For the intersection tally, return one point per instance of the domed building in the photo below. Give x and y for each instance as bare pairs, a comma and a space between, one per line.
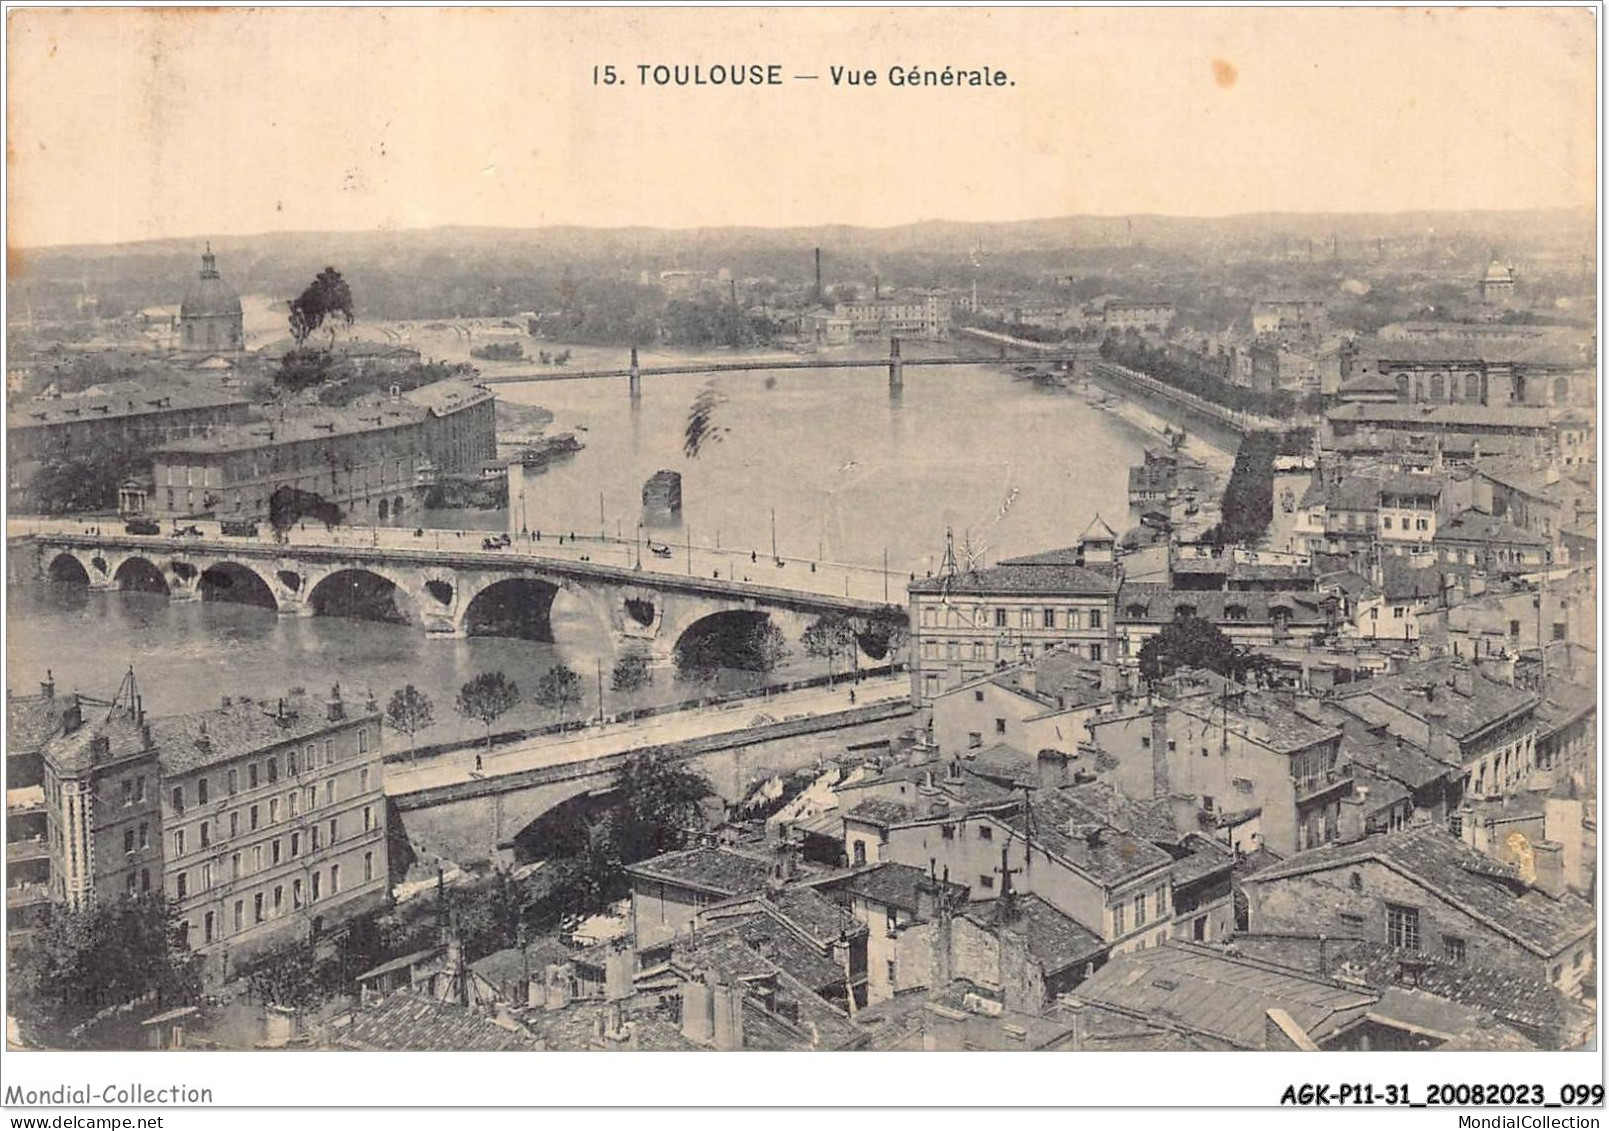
210, 319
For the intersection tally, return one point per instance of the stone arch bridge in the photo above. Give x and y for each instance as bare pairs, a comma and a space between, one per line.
446, 593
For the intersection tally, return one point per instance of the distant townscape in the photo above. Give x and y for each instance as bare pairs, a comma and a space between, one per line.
1083, 635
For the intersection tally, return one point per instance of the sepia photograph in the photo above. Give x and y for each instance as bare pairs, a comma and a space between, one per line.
803, 530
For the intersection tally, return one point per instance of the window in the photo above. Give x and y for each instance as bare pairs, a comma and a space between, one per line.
986, 883
1095, 618
1095, 652
985, 832
368, 866
234, 786
1558, 973
145, 879
1118, 925
363, 741
999, 622
315, 838
139, 790
257, 908
296, 845
178, 843
296, 893
181, 885
1398, 612
368, 817
329, 792
1207, 804
128, 784
1139, 910
1513, 628
128, 842
206, 833
1161, 904
1356, 881
312, 796
206, 927
974, 739
860, 853
333, 836
273, 810
274, 850
1453, 947
1385, 522
1559, 629
290, 763
1145, 742
256, 858
131, 882
234, 860
1421, 524
254, 821
1025, 619
273, 770
178, 799
293, 803
279, 899
206, 877
234, 825
251, 776
1402, 926
363, 774
240, 915
1049, 618
201, 791
335, 878
1000, 726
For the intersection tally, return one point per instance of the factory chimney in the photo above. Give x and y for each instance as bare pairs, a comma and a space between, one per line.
819, 295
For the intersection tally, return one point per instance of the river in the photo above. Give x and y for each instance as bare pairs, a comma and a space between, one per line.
848, 470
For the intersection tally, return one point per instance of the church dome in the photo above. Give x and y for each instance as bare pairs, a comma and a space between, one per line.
210, 296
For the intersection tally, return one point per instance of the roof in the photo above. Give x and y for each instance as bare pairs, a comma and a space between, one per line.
1077, 834
1054, 579
1423, 688
1512, 417
448, 396
895, 885
209, 296
1267, 718
299, 429
876, 811
1405, 582
1054, 940
1562, 703
1467, 351
1445, 866
168, 399
1477, 526
1207, 858
1221, 995
1151, 819
1353, 493
715, 870
32, 720
770, 942
208, 738
406, 1021
123, 733
1155, 603
406, 962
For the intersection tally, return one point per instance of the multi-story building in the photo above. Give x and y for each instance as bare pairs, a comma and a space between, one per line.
1249, 765
367, 459
260, 822
273, 821
1249, 618
1482, 728
967, 624
919, 316
1296, 316
1476, 543
1407, 512
1422, 891
1123, 314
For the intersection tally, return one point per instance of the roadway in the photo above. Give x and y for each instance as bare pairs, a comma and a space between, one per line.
799, 575
460, 765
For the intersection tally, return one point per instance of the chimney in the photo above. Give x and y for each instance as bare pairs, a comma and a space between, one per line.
335, 710
73, 717
819, 293
1052, 769
47, 686
1159, 751
728, 1002
955, 769
100, 746
1077, 1013
697, 995
1441, 744
1549, 859
1463, 680
1497, 666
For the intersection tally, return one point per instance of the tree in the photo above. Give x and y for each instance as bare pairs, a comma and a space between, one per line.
409, 712
79, 964
828, 637
289, 505
1190, 642
658, 804
486, 698
559, 689
326, 298
631, 673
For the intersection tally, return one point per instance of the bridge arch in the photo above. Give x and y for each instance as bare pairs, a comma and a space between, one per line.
362, 593
520, 607
741, 639
140, 575
237, 583
65, 567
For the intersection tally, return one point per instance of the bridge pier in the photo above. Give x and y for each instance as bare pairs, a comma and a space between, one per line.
896, 366
634, 379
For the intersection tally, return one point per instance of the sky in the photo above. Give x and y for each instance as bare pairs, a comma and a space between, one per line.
127, 125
